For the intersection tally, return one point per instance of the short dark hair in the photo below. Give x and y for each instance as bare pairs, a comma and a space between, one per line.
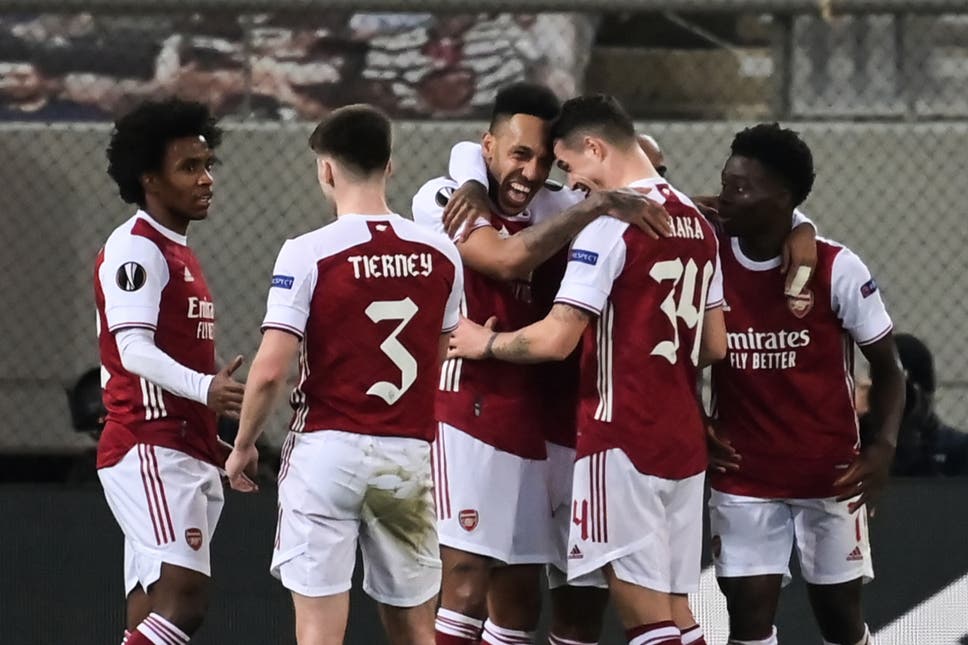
358, 136
598, 113
524, 98
140, 138
782, 152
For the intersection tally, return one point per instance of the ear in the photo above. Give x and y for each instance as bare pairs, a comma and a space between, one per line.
389, 170
324, 172
487, 145
596, 147
148, 182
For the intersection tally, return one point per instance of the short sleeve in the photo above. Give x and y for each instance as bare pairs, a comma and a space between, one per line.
595, 259
799, 217
467, 164
133, 274
291, 289
452, 313
856, 300
714, 295
428, 205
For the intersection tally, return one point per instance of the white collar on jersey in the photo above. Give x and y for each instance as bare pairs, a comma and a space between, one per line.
651, 181
167, 232
752, 265
380, 217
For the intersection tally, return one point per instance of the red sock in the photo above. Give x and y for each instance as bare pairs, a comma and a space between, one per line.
157, 630
454, 628
662, 633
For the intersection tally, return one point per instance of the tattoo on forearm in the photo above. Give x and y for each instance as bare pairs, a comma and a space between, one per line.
544, 239
515, 348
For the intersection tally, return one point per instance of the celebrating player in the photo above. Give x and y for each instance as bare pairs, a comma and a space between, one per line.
785, 407
159, 454
367, 304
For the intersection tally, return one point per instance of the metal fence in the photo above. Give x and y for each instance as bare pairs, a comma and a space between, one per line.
879, 88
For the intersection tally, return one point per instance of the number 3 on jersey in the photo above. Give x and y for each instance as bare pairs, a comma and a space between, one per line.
686, 307
404, 311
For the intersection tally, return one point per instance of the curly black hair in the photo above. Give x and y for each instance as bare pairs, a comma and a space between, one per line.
139, 140
781, 151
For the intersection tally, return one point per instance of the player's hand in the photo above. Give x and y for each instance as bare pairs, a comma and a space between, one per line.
225, 393
800, 255
241, 468
867, 477
708, 205
722, 456
469, 340
631, 205
469, 202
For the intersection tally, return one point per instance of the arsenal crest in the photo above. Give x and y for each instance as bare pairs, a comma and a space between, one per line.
194, 538
801, 305
468, 519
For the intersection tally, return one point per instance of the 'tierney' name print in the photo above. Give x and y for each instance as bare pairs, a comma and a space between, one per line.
395, 265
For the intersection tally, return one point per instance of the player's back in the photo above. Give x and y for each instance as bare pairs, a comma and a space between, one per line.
639, 363
377, 289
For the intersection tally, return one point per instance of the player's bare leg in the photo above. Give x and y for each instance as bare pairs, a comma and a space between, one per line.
464, 582
409, 625
514, 596
838, 611
752, 602
181, 596
138, 607
646, 614
322, 620
577, 613
463, 596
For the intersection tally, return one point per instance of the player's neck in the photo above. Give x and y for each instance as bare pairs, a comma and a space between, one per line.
167, 218
362, 199
766, 245
633, 167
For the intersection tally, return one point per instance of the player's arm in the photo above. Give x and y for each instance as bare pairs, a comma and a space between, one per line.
553, 338
515, 257
133, 275
287, 311
857, 302
799, 254
712, 342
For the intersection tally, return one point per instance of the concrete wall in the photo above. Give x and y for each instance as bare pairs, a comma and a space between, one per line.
894, 193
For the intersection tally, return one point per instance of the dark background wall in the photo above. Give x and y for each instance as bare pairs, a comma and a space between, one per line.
60, 570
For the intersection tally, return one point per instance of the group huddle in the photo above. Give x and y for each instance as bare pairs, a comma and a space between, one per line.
505, 386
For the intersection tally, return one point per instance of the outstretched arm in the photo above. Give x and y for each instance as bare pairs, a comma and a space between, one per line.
553, 338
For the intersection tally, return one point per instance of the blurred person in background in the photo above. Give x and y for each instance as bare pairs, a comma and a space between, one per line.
926, 445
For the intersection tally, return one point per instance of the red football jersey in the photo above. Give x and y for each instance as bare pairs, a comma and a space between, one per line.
784, 395
369, 296
146, 276
496, 402
558, 381
639, 358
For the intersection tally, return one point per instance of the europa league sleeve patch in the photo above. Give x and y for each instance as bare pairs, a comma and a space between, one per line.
868, 288
131, 276
443, 196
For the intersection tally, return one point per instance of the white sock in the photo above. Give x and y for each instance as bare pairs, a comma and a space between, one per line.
494, 635
558, 640
691, 635
865, 639
770, 640
160, 631
457, 624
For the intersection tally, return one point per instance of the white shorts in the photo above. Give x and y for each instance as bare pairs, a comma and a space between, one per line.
491, 502
337, 488
167, 504
647, 528
754, 536
561, 471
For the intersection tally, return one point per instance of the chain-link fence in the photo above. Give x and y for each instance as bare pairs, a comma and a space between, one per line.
881, 95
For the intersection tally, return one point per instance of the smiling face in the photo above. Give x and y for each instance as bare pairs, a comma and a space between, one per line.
183, 185
583, 162
751, 198
519, 159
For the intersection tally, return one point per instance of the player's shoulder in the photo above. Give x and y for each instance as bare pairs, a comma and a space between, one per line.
413, 232
553, 198
831, 254
601, 235
339, 235
132, 240
434, 194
